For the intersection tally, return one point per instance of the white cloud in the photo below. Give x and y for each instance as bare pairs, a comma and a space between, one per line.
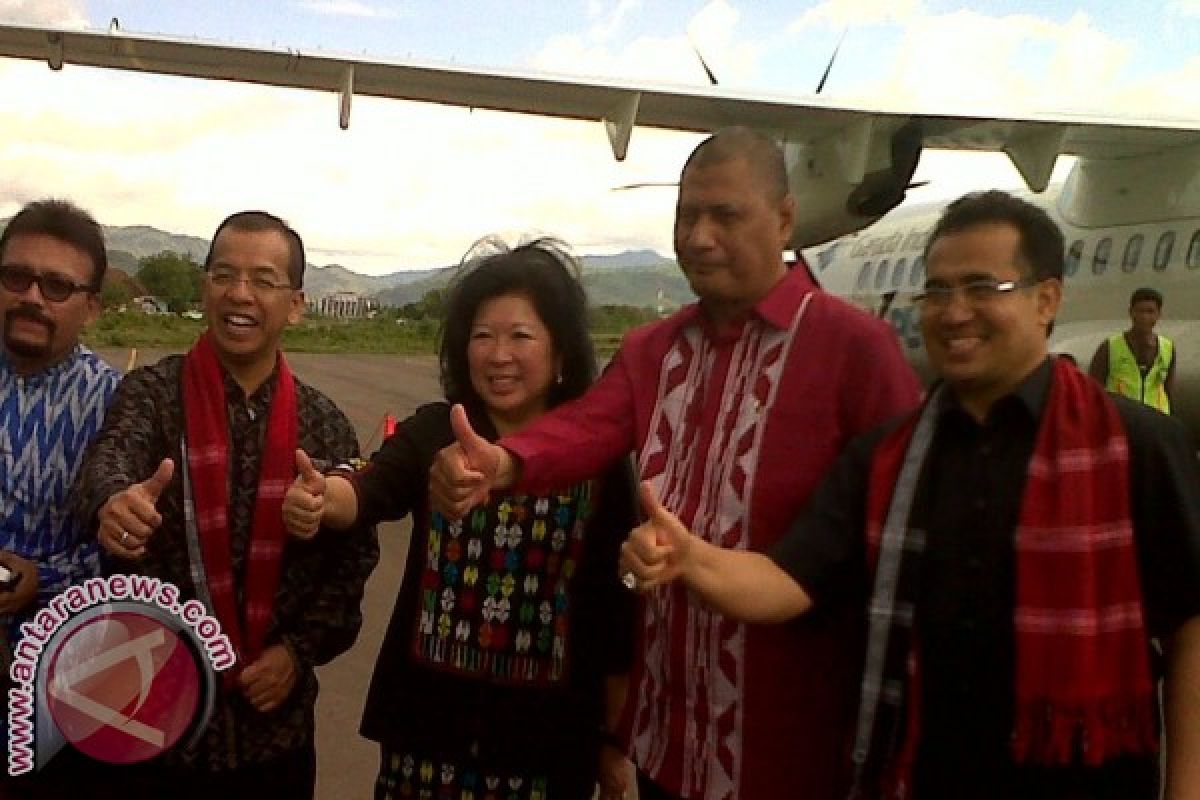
348, 8
969, 62
661, 59
605, 23
409, 185
58, 13
1184, 8
857, 13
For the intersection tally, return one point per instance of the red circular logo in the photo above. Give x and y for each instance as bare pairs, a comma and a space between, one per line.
123, 687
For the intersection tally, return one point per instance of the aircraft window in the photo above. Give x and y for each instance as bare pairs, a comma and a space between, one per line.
1193, 254
1100, 259
1133, 253
1162, 250
881, 274
864, 276
1074, 253
898, 273
918, 272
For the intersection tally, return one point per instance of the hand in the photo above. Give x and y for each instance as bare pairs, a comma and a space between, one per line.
656, 551
129, 517
268, 681
304, 503
615, 774
25, 592
463, 474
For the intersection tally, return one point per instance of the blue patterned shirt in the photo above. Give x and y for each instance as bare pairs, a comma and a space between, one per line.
47, 421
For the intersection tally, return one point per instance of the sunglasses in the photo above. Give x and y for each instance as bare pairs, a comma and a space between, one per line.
54, 287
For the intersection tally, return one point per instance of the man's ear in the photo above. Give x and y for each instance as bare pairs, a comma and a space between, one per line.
787, 217
95, 306
296, 312
1049, 298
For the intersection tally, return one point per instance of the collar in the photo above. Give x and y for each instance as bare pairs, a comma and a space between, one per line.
62, 365
259, 400
777, 308
1030, 394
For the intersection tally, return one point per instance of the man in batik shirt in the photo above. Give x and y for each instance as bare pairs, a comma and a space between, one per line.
186, 483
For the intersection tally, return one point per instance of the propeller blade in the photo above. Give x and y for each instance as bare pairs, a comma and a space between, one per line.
644, 185
712, 79
832, 58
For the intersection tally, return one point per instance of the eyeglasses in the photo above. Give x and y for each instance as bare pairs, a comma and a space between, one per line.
54, 287
977, 293
226, 279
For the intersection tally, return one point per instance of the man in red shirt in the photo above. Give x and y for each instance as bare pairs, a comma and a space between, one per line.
734, 406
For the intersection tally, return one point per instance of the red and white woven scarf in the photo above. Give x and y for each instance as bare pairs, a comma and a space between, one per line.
208, 471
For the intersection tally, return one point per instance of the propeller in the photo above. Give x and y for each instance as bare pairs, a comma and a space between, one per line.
645, 185
832, 58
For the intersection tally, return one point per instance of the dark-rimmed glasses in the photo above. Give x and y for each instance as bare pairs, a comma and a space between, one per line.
977, 293
226, 279
55, 287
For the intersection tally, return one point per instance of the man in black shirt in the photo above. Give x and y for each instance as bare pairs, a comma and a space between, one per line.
1022, 544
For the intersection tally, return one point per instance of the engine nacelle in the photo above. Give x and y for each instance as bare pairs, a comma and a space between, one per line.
844, 182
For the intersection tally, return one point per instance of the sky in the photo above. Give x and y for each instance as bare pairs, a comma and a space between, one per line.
413, 185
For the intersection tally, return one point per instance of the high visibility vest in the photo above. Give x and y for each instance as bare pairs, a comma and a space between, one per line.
1125, 376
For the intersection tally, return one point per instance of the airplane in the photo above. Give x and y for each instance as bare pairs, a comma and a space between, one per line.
1130, 208
881, 268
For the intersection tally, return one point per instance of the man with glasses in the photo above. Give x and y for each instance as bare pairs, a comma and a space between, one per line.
186, 483
53, 394
1018, 544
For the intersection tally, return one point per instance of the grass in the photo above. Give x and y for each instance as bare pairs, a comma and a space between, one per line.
315, 335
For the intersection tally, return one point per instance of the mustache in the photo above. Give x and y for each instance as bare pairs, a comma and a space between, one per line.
29, 312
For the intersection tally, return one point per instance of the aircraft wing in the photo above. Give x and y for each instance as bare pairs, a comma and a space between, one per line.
622, 104
848, 165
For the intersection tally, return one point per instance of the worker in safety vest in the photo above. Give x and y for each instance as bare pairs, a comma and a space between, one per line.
1139, 363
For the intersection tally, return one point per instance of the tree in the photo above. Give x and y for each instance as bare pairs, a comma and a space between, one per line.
171, 277
114, 294
433, 304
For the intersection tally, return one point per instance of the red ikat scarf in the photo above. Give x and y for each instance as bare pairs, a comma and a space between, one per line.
1083, 684
208, 470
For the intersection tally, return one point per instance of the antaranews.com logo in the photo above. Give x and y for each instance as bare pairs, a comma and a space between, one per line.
117, 667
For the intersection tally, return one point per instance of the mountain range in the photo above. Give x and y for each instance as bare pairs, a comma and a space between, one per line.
632, 277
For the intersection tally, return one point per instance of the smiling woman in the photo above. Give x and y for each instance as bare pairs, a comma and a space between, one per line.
504, 659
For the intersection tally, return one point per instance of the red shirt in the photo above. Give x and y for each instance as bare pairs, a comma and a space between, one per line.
735, 428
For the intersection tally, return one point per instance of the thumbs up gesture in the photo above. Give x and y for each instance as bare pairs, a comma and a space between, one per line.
463, 474
304, 503
658, 550
129, 517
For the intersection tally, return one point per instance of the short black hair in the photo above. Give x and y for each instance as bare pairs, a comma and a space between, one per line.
546, 271
1041, 242
62, 220
257, 222
1146, 293
760, 151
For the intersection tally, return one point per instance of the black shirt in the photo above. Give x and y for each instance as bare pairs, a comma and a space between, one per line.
968, 500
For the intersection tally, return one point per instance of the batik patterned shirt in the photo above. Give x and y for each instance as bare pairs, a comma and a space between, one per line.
316, 614
47, 421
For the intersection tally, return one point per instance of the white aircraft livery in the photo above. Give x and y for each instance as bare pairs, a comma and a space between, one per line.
1130, 208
